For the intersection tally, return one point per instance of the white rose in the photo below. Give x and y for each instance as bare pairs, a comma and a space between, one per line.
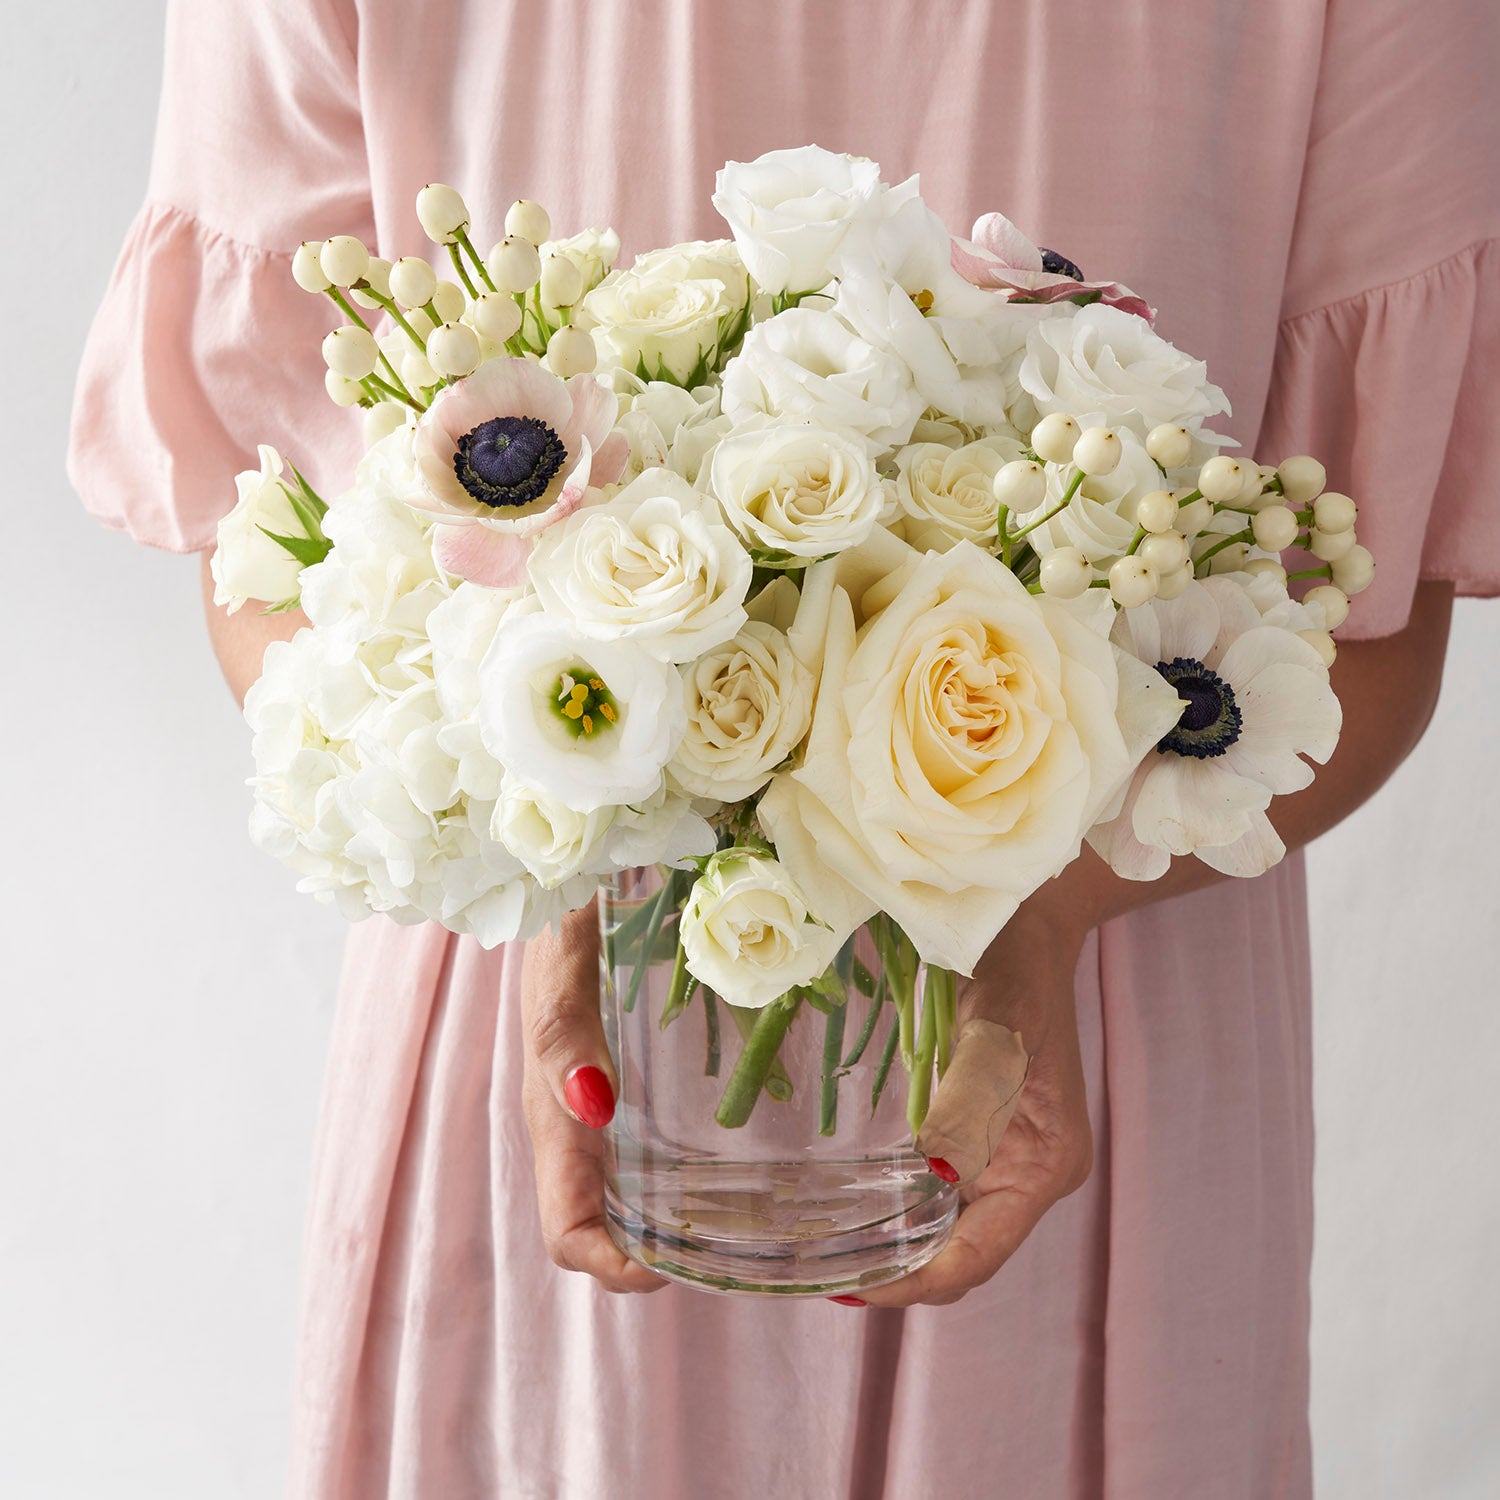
965, 736
672, 313
947, 494
593, 251
650, 565
795, 491
1100, 519
246, 563
807, 364
558, 844
749, 703
792, 211
588, 722
1111, 362
748, 933
666, 426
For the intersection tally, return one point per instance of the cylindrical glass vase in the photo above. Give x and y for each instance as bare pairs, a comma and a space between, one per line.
770, 1150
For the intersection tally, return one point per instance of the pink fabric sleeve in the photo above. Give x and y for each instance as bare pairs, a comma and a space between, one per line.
1388, 358
204, 345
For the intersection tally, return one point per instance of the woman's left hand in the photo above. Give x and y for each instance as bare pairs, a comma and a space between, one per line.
1024, 983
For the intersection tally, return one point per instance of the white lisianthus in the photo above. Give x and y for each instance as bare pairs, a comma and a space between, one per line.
795, 492
593, 251
1100, 519
672, 313
246, 563
947, 494
1111, 362
748, 932
588, 722
749, 703
965, 737
807, 365
792, 212
652, 565
1254, 698
666, 426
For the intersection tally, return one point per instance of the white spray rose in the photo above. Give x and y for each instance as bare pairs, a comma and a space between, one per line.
965, 737
671, 313
805, 364
593, 251
792, 211
246, 563
666, 426
796, 492
1111, 362
651, 565
749, 703
946, 494
587, 722
748, 932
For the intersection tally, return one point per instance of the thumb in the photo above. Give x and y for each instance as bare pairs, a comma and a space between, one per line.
560, 1011
976, 1099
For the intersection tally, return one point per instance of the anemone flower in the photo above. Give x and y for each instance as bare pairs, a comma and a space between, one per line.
1001, 258
506, 453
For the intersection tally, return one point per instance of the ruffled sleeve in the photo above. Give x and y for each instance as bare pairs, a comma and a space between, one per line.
204, 346
1388, 357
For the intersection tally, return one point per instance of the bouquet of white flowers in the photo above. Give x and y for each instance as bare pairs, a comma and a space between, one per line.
850, 572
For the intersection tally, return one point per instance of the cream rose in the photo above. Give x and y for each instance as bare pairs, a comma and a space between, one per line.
749, 703
965, 737
947, 494
748, 932
669, 316
795, 492
666, 426
650, 566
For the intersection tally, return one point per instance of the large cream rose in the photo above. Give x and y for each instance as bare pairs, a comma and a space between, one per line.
966, 735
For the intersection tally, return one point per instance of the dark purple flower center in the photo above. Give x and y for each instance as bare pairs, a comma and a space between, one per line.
1059, 265
1210, 723
508, 461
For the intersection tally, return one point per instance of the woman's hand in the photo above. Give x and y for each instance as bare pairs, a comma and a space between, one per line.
1025, 984
569, 1096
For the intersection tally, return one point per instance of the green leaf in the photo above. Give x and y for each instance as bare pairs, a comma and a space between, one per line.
308, 492
305, 549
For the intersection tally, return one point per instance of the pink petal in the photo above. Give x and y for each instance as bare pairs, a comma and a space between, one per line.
496, 558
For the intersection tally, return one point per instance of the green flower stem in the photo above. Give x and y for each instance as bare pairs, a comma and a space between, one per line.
1135, 541
1239, 536
887, 1056
778, 1081
463, 271
941, 988
866, 1032
833, 1044
374, 383
680, 990
1326, 571
757, 1057
1190, 497
711, 1026
432, 315
347, 308
467, 244
919, 1087
389, 304
1057, 510
658, 909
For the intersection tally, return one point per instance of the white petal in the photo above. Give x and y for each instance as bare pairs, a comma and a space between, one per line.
1253, 853
1184, 804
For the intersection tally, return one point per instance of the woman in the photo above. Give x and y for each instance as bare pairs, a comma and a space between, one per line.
1310, 197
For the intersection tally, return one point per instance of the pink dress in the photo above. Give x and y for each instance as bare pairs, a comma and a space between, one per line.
1310, 196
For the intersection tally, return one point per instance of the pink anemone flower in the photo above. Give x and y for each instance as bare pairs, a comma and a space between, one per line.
1001, 258
506, 453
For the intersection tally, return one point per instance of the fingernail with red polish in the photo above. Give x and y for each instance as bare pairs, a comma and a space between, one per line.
590, 1096
943, 1169
849, 1301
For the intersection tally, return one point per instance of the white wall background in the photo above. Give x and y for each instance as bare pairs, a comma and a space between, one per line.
167, 995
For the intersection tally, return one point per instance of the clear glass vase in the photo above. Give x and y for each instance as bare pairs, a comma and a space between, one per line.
770, 1151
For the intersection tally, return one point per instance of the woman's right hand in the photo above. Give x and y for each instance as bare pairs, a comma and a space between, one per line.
569, 1096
